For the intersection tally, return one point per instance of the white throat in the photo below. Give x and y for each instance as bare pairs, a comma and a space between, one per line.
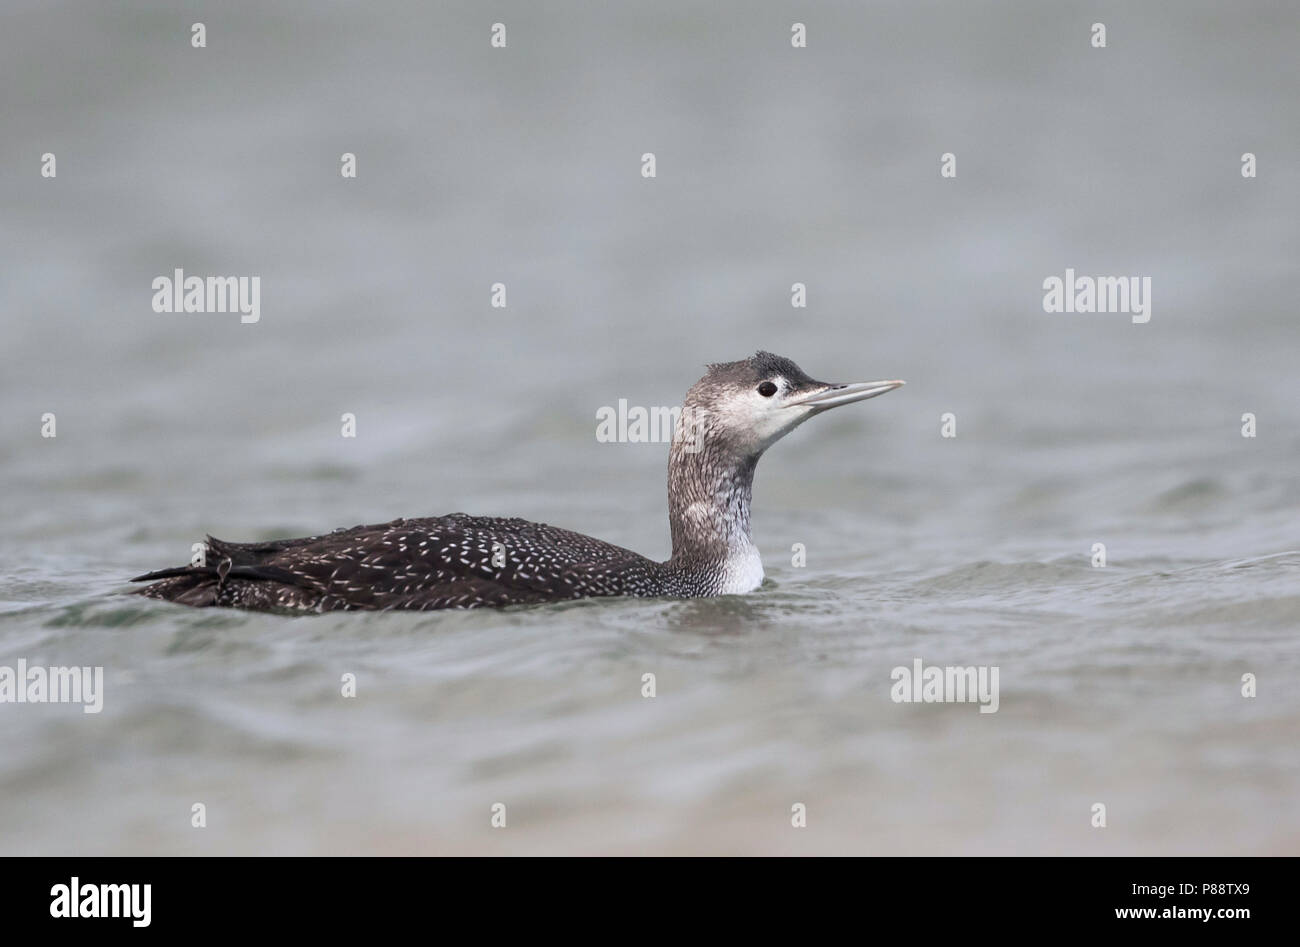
742, 572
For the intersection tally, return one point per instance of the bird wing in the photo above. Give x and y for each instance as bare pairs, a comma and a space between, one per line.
436, 562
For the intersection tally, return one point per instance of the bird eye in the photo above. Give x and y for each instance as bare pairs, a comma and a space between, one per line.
767, 389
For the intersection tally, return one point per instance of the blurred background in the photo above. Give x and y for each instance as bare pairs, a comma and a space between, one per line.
775, 165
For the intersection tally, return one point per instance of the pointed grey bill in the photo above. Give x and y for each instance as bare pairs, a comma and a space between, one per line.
832, 396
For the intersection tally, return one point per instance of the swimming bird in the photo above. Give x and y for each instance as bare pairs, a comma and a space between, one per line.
729, 418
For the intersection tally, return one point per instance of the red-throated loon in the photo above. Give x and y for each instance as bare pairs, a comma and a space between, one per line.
730, 416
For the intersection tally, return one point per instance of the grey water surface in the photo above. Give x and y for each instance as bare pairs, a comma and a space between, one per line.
1119, 685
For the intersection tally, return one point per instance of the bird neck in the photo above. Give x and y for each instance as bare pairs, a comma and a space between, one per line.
709, 491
